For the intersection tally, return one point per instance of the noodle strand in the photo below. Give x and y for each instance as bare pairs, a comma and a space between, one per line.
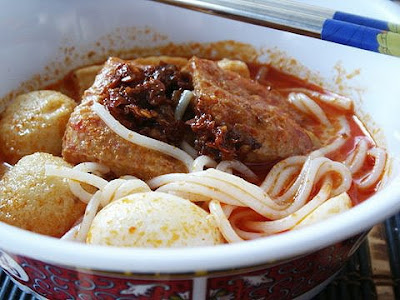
379, 166
271, 227
303, 103
141, 140
223, 223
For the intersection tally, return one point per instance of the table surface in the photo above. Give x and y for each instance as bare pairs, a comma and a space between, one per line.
373, 272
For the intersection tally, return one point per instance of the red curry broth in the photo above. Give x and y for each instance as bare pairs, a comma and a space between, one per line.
272, 78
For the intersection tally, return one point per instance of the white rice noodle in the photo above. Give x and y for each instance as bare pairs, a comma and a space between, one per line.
228, 209
71, 234
343, 135
183, 103
203, 185
92, 167
223, 223
114, 190
336, 144
237, 191
372, 177
141, 140
313, 170
73, 174
201, 162
280, 172
292, 195
119, 188
334, 100
91, 210
271, 227
344, 127
243, 186
284, 180
233, 190
308, 172
228, 166
7, 166
185, 146
262, 73
86, 167
196, 192
130, 187
107, 192
241, 217
79, 191
357, 157
339, 169
308, 106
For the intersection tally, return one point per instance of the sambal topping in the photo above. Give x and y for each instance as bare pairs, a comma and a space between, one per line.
144, 99
220, 142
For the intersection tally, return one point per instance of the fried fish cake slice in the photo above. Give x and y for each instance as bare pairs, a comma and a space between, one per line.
88, 138
83, 78
248, 121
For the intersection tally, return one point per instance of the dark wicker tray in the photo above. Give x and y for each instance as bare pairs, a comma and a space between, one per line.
372, 273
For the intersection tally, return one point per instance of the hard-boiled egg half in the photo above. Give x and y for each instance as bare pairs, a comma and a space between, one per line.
153, 220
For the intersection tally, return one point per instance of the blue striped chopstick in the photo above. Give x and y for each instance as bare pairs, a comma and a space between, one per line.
335, 26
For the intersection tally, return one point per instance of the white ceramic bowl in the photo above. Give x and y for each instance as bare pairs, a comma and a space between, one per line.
37, 33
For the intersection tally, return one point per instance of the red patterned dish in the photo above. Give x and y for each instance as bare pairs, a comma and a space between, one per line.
283, 280
284, 266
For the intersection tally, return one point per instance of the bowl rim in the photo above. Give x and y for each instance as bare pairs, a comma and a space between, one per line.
272, 249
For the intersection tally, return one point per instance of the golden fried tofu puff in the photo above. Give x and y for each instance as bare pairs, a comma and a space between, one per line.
34, 122
36, 202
